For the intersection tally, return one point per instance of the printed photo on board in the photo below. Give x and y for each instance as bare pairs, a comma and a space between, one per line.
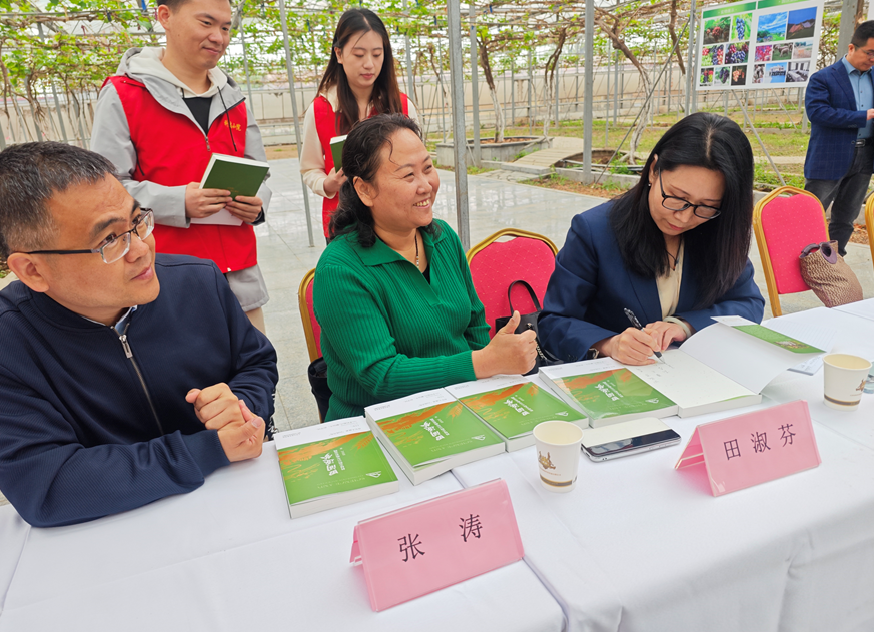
801, 23
737, 53
798, 71
713, 55
742, 26
802, 50
772, 27
782, 52
758, 73
775, 73
717, 30
739, 76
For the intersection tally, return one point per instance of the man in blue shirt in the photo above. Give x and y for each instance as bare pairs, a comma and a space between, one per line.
840, 155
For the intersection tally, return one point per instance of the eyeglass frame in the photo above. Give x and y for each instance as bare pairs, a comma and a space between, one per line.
144, 216
868, 53
687, 204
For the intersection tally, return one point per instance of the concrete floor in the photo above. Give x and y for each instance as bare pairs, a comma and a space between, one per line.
285, 256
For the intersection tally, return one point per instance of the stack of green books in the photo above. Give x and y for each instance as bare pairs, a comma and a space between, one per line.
430, 433
331, 465
512, 405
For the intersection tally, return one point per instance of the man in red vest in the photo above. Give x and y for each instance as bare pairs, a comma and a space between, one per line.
160, 118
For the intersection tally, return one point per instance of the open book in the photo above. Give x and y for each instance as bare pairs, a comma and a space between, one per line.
722, 367
430, 433
752, 355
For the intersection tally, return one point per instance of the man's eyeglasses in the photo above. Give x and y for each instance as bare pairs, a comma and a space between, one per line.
869, 53
679, 204
114, 248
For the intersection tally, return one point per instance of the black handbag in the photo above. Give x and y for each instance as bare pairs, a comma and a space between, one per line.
528, 322
317, 374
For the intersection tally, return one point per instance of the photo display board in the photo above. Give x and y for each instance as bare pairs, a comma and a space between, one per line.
750, 45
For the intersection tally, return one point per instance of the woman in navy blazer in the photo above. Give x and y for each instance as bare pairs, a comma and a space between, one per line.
674, 250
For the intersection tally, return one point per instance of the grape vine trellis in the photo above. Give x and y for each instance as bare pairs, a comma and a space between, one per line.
71, 46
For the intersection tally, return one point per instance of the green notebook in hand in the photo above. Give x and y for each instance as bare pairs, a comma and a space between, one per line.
240, 176
337, 151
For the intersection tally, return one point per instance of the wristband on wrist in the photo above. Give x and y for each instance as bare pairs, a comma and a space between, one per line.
676, 321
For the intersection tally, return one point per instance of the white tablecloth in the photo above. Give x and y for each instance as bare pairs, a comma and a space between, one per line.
863, 309
855, 337
228, 557
13, 535
640, 547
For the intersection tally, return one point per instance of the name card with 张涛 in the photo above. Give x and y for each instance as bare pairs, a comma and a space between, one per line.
755, 448
434, 544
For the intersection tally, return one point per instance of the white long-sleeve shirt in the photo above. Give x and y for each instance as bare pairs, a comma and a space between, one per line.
312, 160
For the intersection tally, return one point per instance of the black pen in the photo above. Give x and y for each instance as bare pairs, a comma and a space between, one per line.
636, 324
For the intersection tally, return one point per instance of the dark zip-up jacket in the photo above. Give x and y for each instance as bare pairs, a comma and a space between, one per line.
93, 422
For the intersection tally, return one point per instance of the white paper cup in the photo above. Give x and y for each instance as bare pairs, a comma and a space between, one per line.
844, 377
558, 454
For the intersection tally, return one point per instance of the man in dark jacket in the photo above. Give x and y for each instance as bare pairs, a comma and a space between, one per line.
840, 156
124, 377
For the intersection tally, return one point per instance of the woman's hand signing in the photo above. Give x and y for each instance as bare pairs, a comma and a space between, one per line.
666, 333
632, 346
636, 347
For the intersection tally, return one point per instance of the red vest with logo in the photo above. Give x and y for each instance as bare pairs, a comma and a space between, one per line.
173, 151
326, 126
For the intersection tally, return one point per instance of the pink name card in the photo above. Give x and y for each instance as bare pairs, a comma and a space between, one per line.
437, 543
746, 450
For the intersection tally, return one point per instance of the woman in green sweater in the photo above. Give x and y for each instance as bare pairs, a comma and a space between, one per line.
393, 292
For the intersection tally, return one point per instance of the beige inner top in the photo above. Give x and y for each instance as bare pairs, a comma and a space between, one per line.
669, 286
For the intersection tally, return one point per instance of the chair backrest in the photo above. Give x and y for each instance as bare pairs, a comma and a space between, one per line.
508, 255
311, 328
783, 227
869, 223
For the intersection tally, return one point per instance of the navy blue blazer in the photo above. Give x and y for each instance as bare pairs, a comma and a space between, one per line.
591, 286
835, 122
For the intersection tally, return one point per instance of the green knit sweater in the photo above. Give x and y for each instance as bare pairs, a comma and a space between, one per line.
388, 333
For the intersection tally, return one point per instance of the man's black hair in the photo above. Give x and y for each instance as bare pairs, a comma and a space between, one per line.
862, 34
30, 175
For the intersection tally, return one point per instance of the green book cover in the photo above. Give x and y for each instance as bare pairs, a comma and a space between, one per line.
515, 410
337, 151
612, 393
338, 464
777, 339
240, 176
436, 433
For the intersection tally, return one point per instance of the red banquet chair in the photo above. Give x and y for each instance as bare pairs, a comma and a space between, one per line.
509, 255
311, 327
783, 227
